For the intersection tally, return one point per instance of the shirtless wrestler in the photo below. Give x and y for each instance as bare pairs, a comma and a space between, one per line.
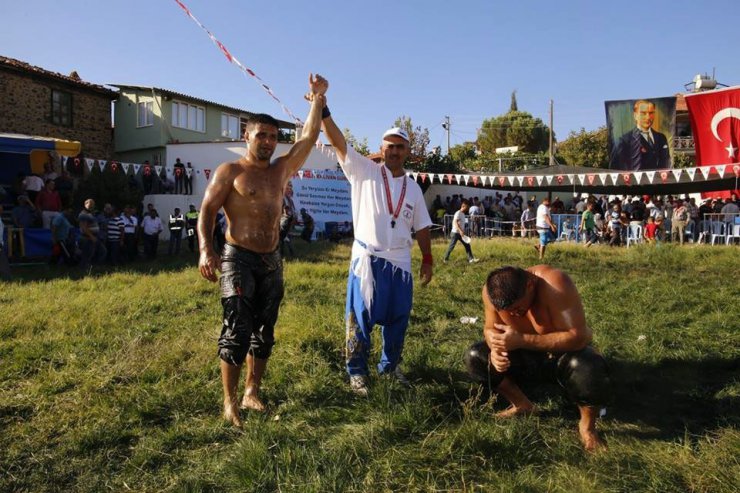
535, 323
250, 191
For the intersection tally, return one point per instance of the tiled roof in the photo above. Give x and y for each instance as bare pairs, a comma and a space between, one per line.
19, 66
283, 124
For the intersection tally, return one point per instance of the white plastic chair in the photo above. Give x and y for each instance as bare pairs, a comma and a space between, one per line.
634, 234
733, 232
717, 230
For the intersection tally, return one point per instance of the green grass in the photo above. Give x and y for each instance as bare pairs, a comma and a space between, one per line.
111, 382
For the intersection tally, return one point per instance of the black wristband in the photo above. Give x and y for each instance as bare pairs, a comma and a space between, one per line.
325, 113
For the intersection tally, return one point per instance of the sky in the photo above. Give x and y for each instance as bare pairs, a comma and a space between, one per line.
425, 59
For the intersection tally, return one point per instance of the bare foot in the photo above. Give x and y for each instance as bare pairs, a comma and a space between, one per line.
591, 440
231, 413
513, 411
253, 402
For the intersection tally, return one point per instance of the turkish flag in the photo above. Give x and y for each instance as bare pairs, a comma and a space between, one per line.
715, 123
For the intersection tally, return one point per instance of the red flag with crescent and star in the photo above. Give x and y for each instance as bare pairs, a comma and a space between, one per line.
715, 123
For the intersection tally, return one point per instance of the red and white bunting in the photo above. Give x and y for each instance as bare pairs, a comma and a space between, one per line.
591, 178
560, 179
530, 181
582, 178
638, 177
207, 172
571, 179
501, 180
189, 172
466, 178
549, 179
158, 169
520, 180
720, 170
458, 178
677, 174
232, 59
125, 167
137, 167
101, 164
475, 180
90, 163
705, 171
615, 178
650, 176
415, 175
691, 172
627, 178
423, 177
439, 177
300, 173
511, 180
603, 177
736, 170
485, 180
539, 180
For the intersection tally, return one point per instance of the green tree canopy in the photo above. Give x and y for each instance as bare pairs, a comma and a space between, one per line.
359, 145
515, 128
585, 148
418, 138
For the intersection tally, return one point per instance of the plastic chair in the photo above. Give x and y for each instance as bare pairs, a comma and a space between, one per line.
717, 230
733, 232
634, 234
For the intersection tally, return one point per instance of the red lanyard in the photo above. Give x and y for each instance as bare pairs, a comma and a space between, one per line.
394, 214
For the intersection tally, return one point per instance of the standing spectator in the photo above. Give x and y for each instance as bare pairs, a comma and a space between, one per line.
114, 234
176, 225
557, 206
458, 233
49, 203
62, 243
729, 209
545, 227
4, 264
64, 186
24, 214
32, 185
588, 225
151, 226
678, 221
286, 223
528, 218
189, 179
615, 226
179, 176
191, 227
130, 231
92, 249
308, 225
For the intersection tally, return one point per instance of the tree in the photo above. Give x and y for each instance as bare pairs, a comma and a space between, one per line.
418, 138
585, 148
683, 160
462, 153
515, 128
114, 187
359, 145
513, 106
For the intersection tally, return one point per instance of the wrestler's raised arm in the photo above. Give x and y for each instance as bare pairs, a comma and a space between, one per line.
298, 153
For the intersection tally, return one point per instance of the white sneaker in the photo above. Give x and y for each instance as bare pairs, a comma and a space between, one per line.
473, 260
400, 377
358, 384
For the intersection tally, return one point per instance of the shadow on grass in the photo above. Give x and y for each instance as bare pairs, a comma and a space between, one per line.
674, 396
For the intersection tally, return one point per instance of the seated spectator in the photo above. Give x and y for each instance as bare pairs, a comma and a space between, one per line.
48, 203
651, 229
32, 185
24, 214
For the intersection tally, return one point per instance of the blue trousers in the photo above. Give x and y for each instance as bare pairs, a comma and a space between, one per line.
391, 307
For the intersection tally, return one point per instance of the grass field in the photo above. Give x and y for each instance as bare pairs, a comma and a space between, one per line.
111, 383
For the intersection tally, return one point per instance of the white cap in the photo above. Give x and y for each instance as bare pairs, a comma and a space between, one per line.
398, 132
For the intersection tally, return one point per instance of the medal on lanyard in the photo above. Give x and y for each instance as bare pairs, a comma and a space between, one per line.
394, 213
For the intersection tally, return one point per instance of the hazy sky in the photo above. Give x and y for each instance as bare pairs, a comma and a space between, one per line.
383, 59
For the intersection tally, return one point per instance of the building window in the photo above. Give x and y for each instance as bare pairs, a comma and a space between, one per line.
229, 126
144, 113
61, 108
188, 116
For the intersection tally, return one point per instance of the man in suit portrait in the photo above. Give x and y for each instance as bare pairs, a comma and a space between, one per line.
642, 147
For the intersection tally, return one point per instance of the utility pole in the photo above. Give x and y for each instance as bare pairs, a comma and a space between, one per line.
552, 159
446, 126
